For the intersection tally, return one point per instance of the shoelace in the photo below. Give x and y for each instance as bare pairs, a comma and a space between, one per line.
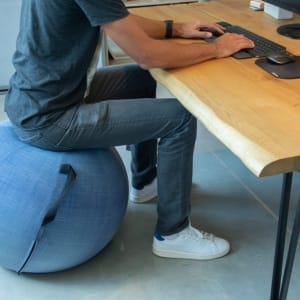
192, 233
206, 235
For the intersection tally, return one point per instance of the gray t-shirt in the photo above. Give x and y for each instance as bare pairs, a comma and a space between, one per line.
55, 46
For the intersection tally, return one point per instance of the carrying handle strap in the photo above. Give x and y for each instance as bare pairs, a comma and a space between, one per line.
51, 214
71, 175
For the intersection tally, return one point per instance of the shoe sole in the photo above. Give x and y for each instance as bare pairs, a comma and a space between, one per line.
184, 255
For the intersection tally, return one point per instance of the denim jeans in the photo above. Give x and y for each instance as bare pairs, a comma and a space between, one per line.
121, 109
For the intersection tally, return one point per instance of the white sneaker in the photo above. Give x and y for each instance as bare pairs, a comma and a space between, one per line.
148, 193
190, 243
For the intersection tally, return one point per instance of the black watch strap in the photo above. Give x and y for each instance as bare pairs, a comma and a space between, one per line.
169, 29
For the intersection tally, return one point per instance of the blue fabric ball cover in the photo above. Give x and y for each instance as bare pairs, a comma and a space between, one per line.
57, 209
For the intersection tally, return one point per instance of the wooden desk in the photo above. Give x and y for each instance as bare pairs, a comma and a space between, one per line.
252, 118
139, 3
253, 113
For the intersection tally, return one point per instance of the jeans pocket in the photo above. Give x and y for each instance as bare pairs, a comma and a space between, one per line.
44, 140
28, 137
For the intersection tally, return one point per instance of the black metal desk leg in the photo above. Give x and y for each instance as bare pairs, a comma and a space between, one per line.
281, 232
291, 255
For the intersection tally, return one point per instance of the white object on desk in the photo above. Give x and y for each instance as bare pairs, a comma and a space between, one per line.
256, 4
277, 12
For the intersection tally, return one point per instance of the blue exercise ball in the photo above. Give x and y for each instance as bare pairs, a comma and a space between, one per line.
57, 209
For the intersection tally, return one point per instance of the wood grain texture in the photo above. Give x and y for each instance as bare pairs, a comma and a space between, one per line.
254, 114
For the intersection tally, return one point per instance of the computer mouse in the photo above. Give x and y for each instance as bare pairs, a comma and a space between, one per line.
280, 59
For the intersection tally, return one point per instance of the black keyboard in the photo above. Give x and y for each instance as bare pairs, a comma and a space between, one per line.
263, 47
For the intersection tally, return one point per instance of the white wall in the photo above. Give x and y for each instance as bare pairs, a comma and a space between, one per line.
9, 23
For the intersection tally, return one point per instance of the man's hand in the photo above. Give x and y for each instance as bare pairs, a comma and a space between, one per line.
196, 30
230, 43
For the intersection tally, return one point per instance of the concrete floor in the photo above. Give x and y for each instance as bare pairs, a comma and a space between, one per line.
226, 200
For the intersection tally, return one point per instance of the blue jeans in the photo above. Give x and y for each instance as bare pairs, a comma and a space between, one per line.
121, 109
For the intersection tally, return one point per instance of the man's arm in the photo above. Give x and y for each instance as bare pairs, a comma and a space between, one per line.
142, 40
157, 29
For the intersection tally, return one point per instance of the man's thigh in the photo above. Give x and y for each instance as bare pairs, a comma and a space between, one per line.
121, 82
121, 122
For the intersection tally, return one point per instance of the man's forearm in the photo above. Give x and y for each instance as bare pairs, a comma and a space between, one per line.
154, 28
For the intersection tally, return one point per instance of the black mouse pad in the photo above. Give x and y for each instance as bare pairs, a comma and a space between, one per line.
288, 71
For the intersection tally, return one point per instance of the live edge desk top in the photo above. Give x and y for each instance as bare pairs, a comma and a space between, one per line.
256, 115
